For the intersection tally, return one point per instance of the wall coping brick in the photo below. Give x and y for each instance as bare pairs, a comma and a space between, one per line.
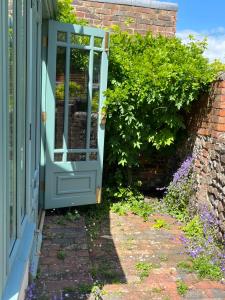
143, 3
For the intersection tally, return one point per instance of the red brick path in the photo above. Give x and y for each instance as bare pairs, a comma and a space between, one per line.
110, 258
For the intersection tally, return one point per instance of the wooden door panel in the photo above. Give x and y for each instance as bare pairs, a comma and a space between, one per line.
77, 70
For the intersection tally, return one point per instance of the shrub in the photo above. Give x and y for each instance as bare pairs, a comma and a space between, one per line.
153, 80
180, 190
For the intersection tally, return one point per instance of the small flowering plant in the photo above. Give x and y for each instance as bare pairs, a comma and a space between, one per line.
200, 232
182, 174
31, 292
202, 245
179, 191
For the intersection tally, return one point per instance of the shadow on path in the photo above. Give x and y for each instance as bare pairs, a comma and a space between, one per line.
78, 256
97, 254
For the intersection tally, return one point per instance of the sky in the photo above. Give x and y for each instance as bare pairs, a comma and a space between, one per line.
203, 18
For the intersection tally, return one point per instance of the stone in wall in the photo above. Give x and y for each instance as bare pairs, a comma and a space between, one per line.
206, 142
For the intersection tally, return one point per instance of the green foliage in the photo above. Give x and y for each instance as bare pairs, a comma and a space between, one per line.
152, 82
206, 269
72, 216
203, 266
182, 288
129, 200
94, 216
120, 208
194, 228
74, 89
160, 223
143, 269
177, 199
61, 254
105, 272
66, 13
186, 266
157, 290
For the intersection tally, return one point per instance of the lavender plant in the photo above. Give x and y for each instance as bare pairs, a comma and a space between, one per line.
200, 239
201, 243
180, 190
30, 293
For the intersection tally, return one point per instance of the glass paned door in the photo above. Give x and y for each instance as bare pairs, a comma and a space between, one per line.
77, 70
16, 118
12, 117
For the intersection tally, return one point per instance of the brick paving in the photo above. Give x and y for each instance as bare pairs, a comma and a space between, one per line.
75, 266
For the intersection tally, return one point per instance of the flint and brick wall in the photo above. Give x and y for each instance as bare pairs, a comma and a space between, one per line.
134, 16
207, 144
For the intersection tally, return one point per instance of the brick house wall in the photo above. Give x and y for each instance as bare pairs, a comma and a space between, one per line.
132, 15
206, 142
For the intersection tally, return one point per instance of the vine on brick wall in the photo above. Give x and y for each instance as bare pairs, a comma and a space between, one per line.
153, 80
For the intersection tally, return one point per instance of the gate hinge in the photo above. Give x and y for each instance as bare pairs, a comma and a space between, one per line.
98, 195
43, 117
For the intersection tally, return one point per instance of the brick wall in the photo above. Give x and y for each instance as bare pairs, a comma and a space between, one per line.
134, 16
207, 143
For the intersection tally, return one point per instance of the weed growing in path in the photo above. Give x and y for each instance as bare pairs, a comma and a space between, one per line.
160, 223
143, 269
186, 266
182, 288
130, 200
72, 216
61, 254
205, 268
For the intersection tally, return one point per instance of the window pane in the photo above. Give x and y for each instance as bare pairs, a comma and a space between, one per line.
22, 100
95, 99
78, 100
60, 96
76, 157
93, 156
98, 42
82, 40
12, 119
58, 157
61, 36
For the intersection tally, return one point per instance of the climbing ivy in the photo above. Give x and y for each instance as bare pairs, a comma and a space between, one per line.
66, 13
153, 80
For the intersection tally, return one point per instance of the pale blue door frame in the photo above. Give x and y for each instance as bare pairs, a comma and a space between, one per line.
77, 71
20, 44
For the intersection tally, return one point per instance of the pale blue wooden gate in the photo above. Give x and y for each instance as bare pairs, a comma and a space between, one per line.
77, 79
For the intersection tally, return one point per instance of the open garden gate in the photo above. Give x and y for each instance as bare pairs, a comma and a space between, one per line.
77, 79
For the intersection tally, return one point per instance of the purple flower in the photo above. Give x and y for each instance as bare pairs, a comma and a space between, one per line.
183, 239
196, 251
183, 171
30, 295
